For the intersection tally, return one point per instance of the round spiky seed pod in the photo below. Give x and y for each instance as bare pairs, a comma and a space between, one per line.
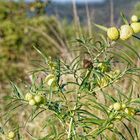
11, 135
126, 32
130, 111
103, 67
32, 102
136, 27
38, 98
117, 106
28, 96
134, 18
113, 33
123, 106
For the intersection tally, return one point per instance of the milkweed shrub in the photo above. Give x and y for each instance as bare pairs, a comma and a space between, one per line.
95, 96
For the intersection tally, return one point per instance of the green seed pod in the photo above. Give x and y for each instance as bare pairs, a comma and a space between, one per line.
50, 79
130, 111
38, 98
126, 32
117, 106
103, 67
136, 27
28, 96
103, 82
11, 135
32, 102
123, 106
134, 18
113, 33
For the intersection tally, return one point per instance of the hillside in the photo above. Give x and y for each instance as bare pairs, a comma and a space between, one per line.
96, 10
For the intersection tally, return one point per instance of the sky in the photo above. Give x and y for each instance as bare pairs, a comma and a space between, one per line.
81, 1
78, 0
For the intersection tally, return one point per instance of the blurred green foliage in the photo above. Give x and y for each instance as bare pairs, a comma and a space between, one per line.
22, 26
137, 9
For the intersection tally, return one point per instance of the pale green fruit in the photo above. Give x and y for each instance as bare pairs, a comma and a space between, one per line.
103, 82
119, 117
136, 27
134, 18
28, 96
130, 111
117, 106
11, 135
38, 98
103, 67
32, 102
123, 106
50, 79
113, 33
126, 32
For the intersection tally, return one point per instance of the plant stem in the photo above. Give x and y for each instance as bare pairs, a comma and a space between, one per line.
70, 128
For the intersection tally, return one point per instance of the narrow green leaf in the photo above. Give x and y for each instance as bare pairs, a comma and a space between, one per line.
124, 18
101, 27
16, 91
129, 131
